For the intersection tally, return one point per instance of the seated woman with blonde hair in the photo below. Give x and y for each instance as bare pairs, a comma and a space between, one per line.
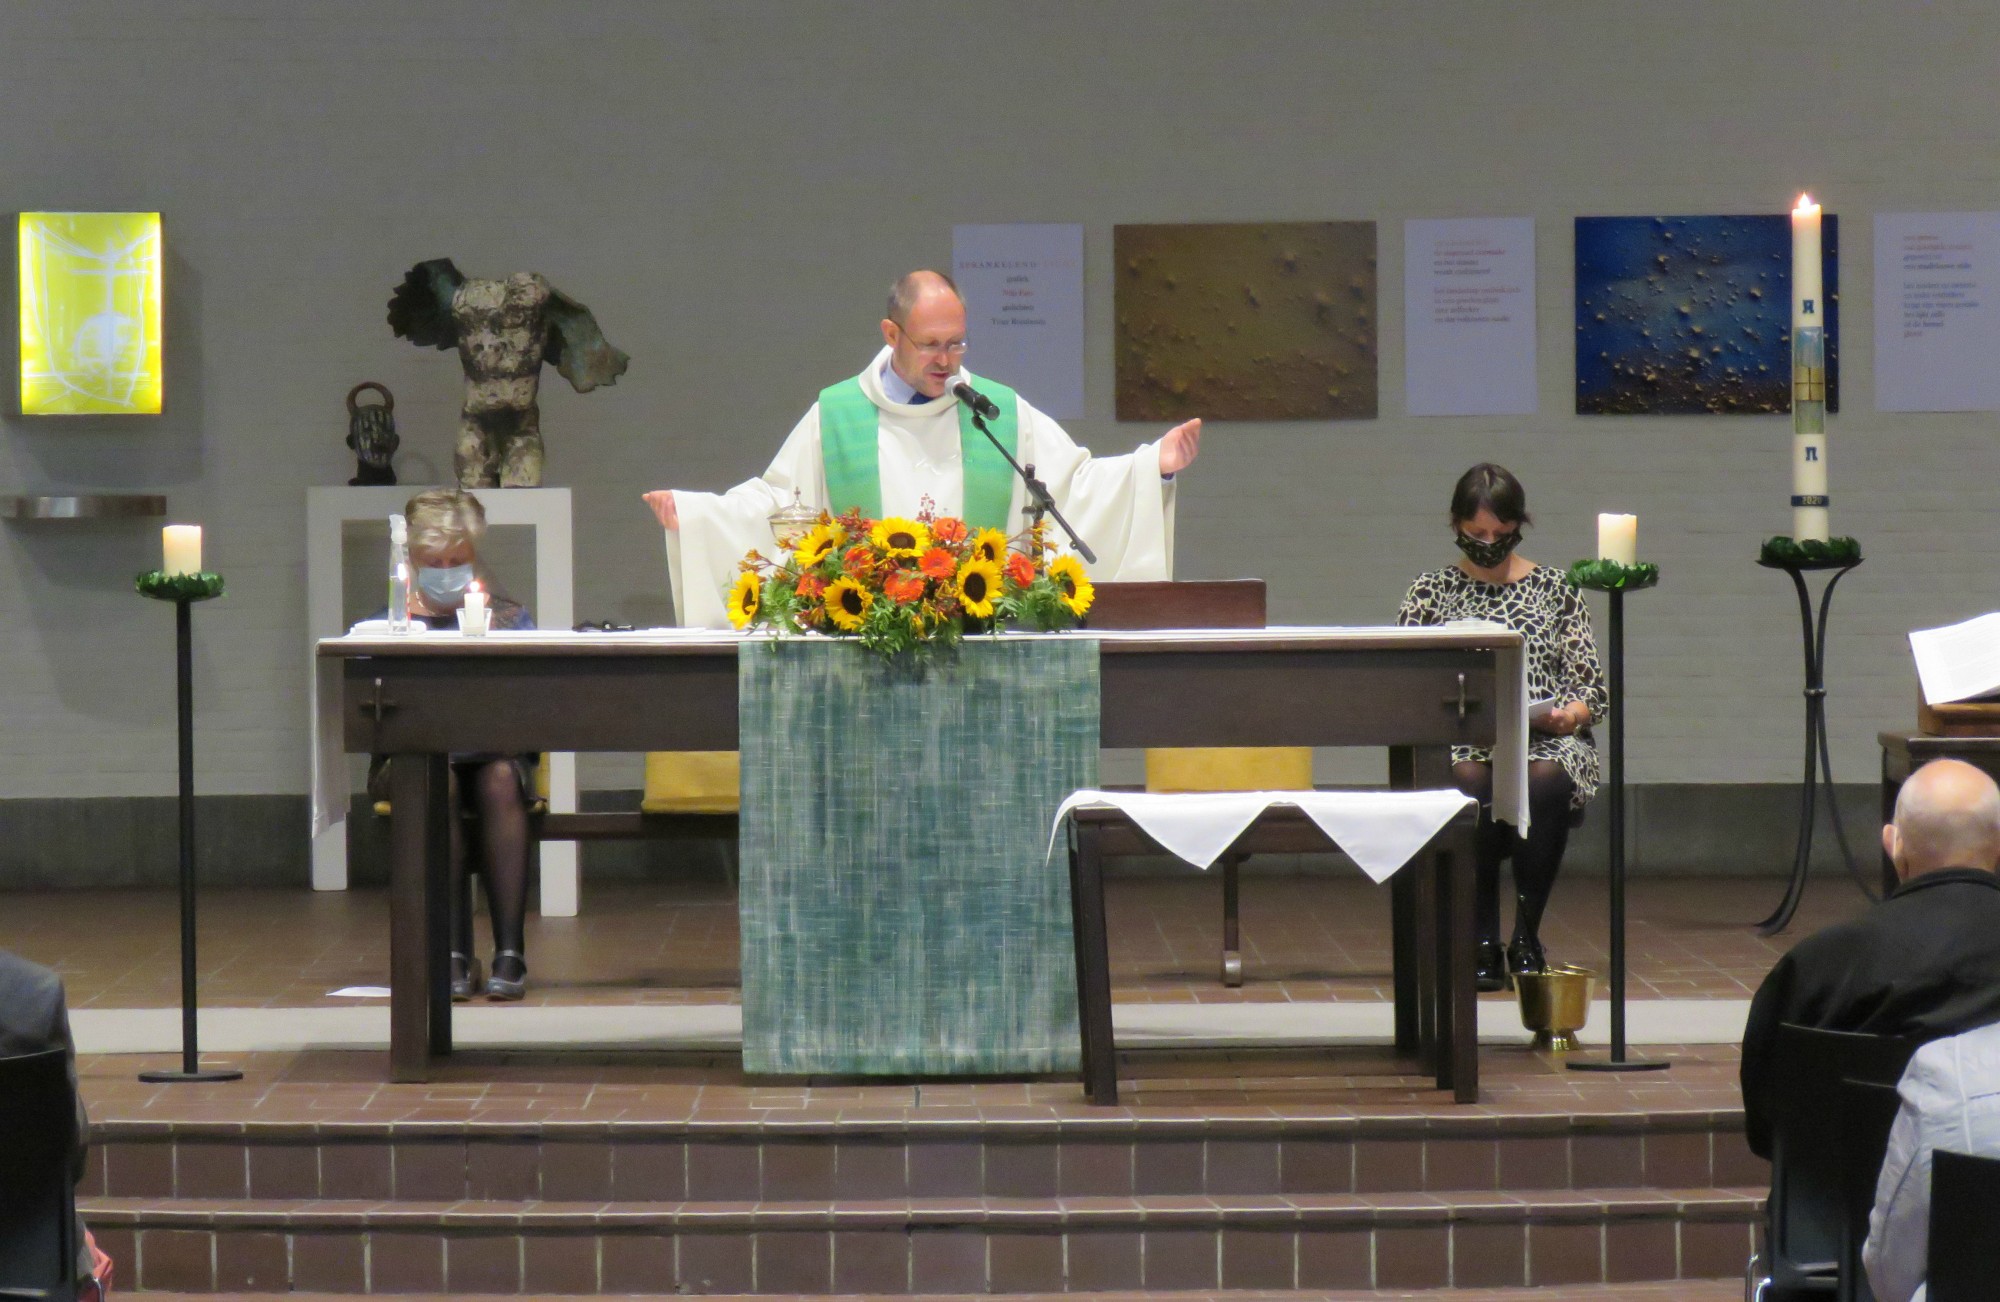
445, 526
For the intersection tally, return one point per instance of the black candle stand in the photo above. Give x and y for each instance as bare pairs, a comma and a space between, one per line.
1797, 560
1615, 580
184, 590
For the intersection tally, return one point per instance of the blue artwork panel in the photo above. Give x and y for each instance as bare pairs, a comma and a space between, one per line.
1679, 315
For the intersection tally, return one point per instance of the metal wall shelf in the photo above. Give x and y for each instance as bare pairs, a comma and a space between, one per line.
83, 506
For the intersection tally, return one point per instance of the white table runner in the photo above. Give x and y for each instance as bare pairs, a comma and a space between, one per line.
1380, 830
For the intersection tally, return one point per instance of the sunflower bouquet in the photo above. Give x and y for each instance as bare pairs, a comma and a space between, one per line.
902, 585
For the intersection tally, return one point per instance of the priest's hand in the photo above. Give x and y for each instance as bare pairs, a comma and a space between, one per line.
1179, 446
662, 502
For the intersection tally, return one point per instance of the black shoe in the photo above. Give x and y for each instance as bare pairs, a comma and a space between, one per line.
464, 977
1489, 967
510, 976
1524, 954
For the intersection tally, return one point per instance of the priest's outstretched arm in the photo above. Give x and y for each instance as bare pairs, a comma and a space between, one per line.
1123, 506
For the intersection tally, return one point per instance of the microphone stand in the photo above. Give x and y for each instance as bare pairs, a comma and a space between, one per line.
1039, 501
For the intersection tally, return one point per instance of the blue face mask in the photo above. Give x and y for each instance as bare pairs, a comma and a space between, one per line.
444, 589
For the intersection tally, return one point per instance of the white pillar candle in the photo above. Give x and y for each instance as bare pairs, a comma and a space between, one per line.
1618, 538
181, 546
473, 612
1806, 265
1809, 495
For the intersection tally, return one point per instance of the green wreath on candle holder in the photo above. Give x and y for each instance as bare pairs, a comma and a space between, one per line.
1612, 576
1812, 552
161, 586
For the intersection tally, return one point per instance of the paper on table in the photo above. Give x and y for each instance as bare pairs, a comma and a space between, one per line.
1959, 661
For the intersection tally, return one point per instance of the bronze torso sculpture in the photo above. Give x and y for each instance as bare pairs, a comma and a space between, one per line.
504, 331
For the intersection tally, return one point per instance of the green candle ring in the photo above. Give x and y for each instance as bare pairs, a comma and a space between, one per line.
161, 586
1811, 553
1611, 576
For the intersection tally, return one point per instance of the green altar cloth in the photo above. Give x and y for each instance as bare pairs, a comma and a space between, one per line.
899, 913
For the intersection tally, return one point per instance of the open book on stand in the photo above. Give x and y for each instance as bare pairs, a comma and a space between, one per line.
1958, 672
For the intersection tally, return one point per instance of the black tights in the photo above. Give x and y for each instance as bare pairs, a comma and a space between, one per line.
491, 789
1537, 856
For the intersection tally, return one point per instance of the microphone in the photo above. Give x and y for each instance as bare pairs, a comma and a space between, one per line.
976, 400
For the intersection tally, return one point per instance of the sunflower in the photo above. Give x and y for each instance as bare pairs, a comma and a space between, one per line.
846, 602
978, 585
899, 537
989, 545
746, 597
817, 545
1074, 585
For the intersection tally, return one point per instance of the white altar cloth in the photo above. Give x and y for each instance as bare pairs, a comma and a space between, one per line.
1380, 830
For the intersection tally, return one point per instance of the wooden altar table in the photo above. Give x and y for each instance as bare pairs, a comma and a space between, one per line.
1417, 691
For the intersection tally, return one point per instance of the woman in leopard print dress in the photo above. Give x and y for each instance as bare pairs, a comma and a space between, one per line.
1491, 581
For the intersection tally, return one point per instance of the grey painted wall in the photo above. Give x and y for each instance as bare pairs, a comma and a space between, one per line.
731, 186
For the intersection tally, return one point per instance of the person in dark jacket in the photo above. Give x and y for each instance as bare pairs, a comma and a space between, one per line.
1924, 962
34, 1018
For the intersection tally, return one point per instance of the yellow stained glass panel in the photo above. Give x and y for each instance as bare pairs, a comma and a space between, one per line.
90, 313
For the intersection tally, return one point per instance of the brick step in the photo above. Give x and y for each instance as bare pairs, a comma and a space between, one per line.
984, 1156
932, 1246
1703, 1290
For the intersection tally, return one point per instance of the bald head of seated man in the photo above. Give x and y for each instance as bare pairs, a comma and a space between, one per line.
1925, 962
1947, 816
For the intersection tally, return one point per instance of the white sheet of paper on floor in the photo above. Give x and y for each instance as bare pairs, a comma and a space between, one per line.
359, 992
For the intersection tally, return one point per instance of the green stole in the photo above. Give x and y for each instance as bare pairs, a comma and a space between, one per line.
849, 430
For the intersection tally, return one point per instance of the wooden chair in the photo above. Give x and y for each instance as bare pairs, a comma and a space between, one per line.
1230, 603
38, 1139
1963, 1264
1231, 768
1837, 1091
685, 791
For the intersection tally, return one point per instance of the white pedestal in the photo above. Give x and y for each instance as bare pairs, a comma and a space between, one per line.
547, 511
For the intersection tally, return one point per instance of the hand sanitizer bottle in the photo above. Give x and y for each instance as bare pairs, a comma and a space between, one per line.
399, 575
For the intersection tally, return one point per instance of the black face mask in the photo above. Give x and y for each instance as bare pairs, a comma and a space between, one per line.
1488, 555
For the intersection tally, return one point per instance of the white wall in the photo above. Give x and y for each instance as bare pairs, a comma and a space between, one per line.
731, 187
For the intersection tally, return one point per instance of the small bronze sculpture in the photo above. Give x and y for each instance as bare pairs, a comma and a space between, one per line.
504, 331
371, 432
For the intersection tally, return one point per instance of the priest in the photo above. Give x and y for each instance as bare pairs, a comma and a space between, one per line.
883, 441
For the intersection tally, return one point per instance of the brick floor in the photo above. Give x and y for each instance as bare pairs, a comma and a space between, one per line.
1315, 937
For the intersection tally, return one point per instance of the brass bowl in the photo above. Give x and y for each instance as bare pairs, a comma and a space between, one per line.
1555, 1005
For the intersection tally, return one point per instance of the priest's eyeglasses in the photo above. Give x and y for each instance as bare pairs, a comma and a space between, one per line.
951, 348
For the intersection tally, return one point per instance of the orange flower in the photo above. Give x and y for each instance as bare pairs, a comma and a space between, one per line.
1021, 570
858, 563
938, 563
903, 587
811, 586
948, 529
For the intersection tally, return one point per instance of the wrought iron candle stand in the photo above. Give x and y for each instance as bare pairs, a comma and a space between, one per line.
1797, 559
1615, 580
184, 590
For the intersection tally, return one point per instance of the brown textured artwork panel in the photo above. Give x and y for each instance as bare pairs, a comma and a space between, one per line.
1246, 321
